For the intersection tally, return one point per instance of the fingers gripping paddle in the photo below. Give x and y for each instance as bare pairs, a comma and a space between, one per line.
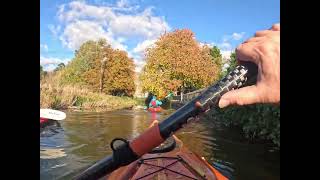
52, 114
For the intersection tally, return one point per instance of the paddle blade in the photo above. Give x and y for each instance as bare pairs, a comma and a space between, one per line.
52, 114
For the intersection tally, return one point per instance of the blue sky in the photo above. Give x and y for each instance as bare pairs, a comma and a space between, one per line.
133, 25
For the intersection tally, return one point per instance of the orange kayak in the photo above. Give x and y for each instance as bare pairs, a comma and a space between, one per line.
168, 163
157, 109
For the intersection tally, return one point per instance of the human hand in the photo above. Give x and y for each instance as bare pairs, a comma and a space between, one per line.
264, 50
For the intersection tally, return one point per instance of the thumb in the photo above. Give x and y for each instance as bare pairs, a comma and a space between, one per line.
242, 96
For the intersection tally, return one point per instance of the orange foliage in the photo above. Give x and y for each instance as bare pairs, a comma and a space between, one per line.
177, 61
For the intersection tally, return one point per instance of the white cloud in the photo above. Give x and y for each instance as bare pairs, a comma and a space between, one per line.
122, 3
84, 22
139, 65
78, 32
234, 36
143, 25
44, 47
45, 61
81, 22
139, 51
49, 67
238, 36
226, 54
80, 10
225, 46
54, 29
140, 24
141, 47
210, 45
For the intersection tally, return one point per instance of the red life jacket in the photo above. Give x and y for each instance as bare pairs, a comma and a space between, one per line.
154, 103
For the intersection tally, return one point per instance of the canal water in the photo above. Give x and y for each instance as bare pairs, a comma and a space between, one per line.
84, 137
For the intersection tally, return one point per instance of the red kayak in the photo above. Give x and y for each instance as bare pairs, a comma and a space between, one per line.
157, 109
168, 163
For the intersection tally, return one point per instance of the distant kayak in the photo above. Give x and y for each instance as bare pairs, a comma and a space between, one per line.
157, 109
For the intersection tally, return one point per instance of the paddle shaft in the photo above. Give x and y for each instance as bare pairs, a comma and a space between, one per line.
242, 75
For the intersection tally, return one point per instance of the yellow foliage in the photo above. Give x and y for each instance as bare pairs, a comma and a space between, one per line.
177, 61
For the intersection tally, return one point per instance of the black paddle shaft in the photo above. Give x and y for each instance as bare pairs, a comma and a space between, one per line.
244, 74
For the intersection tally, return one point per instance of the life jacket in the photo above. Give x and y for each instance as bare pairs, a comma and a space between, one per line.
154, 103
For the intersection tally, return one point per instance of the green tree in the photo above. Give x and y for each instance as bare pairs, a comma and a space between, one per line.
59, 67
232, 62
84, 60
42, 72
216, 57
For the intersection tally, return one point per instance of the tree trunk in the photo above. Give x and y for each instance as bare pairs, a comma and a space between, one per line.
103, 65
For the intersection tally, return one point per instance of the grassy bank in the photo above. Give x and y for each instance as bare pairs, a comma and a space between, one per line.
258, 122
57, 96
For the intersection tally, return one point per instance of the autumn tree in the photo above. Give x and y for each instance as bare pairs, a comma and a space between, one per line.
101, 69
119, 74
95, 76
177, 61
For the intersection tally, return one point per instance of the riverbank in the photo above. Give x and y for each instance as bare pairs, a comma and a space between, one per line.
78, 98
57, 95
259, 123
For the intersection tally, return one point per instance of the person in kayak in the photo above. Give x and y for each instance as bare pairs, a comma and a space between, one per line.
154, 103
264, 50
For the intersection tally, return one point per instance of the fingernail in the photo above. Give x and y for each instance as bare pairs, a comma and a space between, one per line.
223, 103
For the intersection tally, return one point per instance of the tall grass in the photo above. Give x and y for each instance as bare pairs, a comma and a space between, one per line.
57, 96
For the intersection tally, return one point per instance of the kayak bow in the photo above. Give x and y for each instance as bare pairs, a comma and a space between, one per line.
157, 109
179, 163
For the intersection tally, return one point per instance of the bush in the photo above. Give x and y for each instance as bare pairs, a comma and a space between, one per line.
260, 121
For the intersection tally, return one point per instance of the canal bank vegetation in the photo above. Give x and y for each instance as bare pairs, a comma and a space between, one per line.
97, 77
57, 96
258, 122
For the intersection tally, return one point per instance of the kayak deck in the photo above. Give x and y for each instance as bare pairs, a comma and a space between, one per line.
179, 163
